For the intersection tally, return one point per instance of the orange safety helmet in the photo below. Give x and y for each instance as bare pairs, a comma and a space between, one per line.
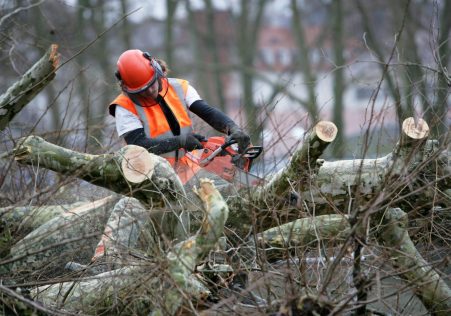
137, 71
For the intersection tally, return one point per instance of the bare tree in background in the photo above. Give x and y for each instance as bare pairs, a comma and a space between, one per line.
169, 47
438, 114
305, 62
410, 86
212, 47
126, 31
339, 78
247, 26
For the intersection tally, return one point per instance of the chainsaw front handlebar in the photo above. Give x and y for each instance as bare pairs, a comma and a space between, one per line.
228, 143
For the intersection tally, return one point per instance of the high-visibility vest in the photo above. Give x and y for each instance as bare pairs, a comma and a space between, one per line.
155, 123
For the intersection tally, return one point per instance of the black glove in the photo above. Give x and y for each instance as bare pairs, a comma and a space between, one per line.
240, 137
200, 137
191, 141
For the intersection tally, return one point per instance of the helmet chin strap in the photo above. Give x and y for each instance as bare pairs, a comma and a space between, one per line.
160, 87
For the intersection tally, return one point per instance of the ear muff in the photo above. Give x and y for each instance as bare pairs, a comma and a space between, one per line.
117, 74
154, 64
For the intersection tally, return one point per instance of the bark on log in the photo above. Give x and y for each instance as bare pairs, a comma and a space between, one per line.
108, 290
302, 164
304, 232
30, 84
426, 283
22, 220
70, 237
131, 171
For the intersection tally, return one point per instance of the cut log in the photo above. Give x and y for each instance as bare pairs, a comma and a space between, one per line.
69, 237
418, 130
29, 85
137, 165
22, 220
121, 288
131, 171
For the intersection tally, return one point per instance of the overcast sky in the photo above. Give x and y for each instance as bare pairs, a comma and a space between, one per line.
157, 8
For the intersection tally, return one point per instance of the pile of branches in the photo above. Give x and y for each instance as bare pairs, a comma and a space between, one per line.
355, 213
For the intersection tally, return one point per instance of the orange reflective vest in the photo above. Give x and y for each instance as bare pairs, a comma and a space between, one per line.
155, 123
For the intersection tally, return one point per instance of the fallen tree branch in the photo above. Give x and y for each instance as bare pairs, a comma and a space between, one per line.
21, 220
131, 171
302, 164
426, 283
108, 290
30, 84
303, 232
71, 236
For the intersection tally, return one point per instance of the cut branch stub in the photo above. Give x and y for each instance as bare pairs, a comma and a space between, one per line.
415, 130
409, 152
303, 162
137, 164
326, 131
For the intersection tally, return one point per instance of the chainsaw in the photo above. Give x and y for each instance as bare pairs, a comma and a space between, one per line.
220, 157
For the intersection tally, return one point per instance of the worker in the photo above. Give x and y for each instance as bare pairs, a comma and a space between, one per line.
153, 111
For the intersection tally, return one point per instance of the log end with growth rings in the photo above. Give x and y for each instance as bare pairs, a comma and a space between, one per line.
137, 164
326, 131
415, 130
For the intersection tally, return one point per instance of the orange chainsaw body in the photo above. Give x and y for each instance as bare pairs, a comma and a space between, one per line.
226, 162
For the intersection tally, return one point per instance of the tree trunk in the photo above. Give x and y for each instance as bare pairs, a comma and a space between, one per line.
212, 47
376, 47
437, 115
131, 171
22, 220
339, 146
304, 60
247, 44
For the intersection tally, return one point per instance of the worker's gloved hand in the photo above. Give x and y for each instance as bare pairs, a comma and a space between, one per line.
243, 140
200, 137
190, 141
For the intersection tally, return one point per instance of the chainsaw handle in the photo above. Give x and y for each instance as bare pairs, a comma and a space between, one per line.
228, 143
